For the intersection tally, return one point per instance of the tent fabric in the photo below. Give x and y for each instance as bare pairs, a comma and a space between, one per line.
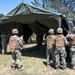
24, 11
37, 20
27, 9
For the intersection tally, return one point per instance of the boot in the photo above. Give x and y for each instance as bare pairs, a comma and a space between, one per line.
20, 68
73, 67
64, 69
57, 67
13, 67
48, 65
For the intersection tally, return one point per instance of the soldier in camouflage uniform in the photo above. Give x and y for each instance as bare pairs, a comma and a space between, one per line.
50, 47
60, 41
72, 48
15, 45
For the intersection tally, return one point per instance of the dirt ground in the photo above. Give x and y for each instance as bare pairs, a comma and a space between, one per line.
34, 63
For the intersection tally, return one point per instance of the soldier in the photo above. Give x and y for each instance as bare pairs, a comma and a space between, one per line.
60, 42
72, 48
4, 43
50, 47
15, 45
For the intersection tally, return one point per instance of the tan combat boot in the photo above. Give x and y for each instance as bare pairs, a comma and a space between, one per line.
73, 67
13, 67
64, 69
21, 68
49, 66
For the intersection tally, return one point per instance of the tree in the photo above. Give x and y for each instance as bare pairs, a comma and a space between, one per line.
1, 15
41, 3
66, 7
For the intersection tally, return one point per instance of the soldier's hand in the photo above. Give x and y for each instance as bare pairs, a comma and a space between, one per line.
22, 47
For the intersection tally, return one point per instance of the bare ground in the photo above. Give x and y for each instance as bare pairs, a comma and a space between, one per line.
34, 63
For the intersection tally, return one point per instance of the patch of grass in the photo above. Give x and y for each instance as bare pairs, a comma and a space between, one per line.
4, 61
34, 63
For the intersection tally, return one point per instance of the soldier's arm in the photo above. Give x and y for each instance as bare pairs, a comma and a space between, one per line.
69, 36
65, 40
20, 42
53, 42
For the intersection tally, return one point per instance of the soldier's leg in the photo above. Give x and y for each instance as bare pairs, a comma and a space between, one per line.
57, 58
63, 58
13, 65
73, 61
3, 51
72, 55
48, 56
39, 39
2, 48
52, 53
19, 58
5, 48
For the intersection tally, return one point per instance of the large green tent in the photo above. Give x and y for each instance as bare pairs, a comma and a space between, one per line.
28, 19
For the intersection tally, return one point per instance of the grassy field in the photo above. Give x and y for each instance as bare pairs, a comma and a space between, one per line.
34, 62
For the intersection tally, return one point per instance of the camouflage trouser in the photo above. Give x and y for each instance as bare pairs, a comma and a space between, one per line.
72, 55
4, 47
16, 56
50, 55
60, 58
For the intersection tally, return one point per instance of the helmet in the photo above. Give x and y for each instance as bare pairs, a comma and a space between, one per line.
51, 31
14, 31
74, 29
59, 30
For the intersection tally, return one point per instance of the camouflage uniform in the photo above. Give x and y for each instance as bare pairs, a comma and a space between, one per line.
60, 52
15, 45
72, 55
4, 43
72, 47
50, 47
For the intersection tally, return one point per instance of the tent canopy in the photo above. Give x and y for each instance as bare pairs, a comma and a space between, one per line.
28, 19
27, 14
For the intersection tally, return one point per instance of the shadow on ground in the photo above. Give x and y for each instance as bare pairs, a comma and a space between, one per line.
35, 51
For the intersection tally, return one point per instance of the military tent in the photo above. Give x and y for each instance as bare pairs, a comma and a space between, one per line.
28, 19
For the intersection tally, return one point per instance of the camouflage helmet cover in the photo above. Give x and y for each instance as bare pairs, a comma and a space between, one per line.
14, 31
59, 30
51, 31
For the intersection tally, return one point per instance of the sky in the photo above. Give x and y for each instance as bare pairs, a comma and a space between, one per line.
7, 5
